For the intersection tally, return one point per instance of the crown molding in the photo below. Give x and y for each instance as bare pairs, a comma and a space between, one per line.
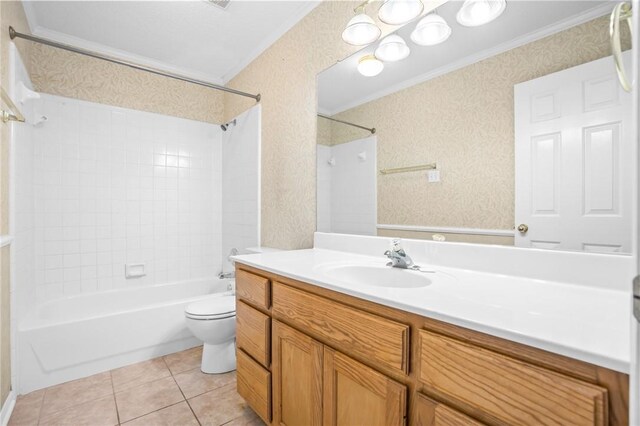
121, 54
272, 38
564, 24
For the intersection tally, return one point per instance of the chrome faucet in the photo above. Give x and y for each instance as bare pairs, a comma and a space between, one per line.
223, 275
398, 257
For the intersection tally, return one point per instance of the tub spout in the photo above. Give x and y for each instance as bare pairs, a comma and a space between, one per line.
224, 275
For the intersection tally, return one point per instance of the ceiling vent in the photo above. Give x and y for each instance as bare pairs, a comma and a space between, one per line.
222, 4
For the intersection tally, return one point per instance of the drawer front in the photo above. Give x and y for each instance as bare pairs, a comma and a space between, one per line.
507, 389
355, 332
253, 289
253, 333
254, 385
432, 413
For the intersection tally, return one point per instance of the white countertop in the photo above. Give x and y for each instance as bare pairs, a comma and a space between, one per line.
582, 322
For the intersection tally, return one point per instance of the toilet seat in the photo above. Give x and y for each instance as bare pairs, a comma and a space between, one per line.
212, 308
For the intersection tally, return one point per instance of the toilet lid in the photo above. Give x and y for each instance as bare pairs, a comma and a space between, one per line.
215, 306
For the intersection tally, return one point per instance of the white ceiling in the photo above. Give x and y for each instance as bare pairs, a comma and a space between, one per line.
190, 37
341, 87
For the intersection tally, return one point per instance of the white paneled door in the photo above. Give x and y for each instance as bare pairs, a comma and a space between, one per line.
573, 171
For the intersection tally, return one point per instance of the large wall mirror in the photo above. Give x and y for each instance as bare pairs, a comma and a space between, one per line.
515, 132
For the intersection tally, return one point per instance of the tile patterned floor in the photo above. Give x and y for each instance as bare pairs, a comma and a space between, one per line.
169, 390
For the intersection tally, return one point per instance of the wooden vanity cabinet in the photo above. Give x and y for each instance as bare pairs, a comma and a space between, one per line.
311, 356
297, 377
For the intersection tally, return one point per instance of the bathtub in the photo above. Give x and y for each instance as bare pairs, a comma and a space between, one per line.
75, 337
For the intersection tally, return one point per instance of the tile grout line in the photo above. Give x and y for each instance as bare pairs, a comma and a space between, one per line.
46, 390
115, 401
151, 412
41, 405
183, 395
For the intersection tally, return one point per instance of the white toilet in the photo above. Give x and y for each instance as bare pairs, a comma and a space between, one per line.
213, 320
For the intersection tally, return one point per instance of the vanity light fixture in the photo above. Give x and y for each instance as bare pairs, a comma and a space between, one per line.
431, 30
370, 66
398, 12
361, 29
479, 12
392, 48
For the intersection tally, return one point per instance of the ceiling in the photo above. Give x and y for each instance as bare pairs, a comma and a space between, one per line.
191, 37
341, 87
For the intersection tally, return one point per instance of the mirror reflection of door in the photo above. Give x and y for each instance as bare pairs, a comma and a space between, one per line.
572, 183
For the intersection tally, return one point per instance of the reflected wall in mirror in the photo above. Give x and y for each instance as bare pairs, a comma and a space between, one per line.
523, 117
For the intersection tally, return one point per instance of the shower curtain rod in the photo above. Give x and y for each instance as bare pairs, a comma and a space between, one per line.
13, 34
372, 130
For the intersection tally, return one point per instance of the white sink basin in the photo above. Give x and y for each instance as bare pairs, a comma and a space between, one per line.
377, 276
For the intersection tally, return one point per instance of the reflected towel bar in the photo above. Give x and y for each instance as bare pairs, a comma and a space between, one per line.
13, 114
430, 166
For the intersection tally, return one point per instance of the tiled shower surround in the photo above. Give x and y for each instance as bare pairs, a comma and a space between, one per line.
114, 186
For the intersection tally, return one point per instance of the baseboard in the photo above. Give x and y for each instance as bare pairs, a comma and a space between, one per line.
7, 408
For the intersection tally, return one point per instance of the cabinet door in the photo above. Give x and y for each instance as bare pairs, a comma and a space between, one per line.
431, 413
356, 395
297, 377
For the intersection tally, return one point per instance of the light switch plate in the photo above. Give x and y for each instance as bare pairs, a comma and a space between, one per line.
433, 176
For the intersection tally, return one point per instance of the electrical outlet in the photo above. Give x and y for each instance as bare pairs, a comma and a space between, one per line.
433, 176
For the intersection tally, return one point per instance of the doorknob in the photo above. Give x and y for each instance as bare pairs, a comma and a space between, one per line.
523, 228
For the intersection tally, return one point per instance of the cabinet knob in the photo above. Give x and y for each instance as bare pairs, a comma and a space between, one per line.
523, 228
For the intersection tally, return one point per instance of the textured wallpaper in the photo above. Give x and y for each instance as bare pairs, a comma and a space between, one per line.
464, 121
285, 75
63, 73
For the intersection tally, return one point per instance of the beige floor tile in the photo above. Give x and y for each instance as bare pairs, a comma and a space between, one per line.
27, 409
247, 419
185, 360
219, 406
99, 412
175, 415
144, 399
139, 374
68, 394
195, 382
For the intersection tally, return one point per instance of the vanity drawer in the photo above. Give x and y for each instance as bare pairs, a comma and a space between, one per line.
507, 389
355, 332
254, 289
431, 413
253, 333
254, 385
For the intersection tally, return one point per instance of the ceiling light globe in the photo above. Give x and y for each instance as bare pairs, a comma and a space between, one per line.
392, 48
361, 30
369, 66
473, 13
398, 12
431, 30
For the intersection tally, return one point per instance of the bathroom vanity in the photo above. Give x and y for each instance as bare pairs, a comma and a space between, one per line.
308, 354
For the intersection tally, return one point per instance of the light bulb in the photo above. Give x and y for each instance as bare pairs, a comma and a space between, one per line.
473, 13
369, 66
361, 30
392, 48
432, 29
398, 12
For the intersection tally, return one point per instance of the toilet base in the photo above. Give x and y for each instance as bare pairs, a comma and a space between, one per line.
217, 359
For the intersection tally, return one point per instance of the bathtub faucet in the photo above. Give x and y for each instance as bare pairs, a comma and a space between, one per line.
224, 275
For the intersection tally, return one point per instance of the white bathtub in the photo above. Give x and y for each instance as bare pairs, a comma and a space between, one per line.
75, 337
